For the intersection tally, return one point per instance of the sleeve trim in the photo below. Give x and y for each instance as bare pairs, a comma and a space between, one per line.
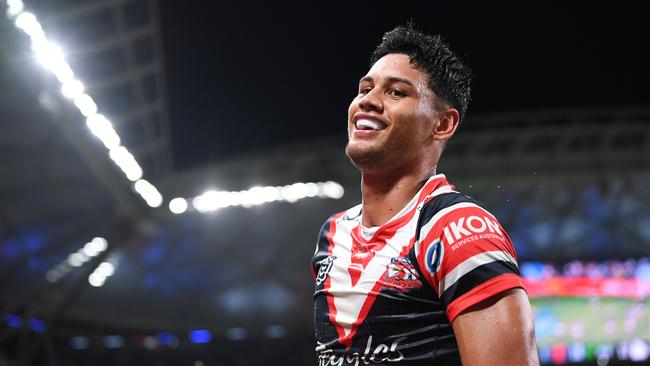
482, 292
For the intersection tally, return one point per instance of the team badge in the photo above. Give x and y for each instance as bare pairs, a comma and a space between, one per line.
401, 274
324, 268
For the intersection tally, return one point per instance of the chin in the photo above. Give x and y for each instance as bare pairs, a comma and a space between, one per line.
366, 159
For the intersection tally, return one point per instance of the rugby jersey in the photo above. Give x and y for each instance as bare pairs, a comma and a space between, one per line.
389, 297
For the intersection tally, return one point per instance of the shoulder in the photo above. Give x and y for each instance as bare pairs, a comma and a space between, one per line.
349, 215
449, 205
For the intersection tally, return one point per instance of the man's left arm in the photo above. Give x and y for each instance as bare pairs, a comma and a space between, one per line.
497, 331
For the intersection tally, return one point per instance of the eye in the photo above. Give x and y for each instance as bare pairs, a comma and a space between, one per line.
396, 93
365, 90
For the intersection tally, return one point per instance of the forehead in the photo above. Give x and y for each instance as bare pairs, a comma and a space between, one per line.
400, 66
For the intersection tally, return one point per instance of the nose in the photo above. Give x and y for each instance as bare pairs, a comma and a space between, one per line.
372, 102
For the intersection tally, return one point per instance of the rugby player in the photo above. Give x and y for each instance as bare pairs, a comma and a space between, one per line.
418, 273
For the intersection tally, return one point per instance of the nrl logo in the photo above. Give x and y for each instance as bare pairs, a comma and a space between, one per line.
324, 268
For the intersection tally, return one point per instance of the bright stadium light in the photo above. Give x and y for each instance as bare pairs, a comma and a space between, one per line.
178, 205
72, 89
14, 7
99, 244
106, 269
103, 129
312, 189
86, 104
214, 200
89, 250
77, 259
52, 275
332, 190
148, 192
96, 279
123, 158
52, 57
29, 24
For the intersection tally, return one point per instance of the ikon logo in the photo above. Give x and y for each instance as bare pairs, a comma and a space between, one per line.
465, 226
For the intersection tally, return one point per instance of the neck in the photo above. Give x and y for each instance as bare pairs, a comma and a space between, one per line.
385, 194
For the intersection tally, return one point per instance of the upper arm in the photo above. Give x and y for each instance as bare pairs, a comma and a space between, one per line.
465, 255
497, 331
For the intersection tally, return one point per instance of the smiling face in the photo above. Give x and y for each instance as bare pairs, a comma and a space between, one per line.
391, 120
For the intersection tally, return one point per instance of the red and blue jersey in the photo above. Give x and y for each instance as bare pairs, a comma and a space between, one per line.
389, 295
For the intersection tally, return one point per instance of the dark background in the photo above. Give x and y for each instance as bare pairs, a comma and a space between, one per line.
244, 76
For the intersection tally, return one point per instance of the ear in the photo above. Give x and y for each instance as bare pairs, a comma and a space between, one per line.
448, 119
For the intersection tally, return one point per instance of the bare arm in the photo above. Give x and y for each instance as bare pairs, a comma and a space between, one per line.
498, 331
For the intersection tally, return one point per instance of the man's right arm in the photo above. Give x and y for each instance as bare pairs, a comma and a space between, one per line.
497, 331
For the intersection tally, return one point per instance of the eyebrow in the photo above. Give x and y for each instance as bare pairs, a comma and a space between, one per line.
390, 79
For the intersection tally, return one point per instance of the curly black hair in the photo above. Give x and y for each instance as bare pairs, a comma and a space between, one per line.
449, 76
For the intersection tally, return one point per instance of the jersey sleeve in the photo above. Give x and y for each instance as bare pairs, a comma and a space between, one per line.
321, 246
466, 256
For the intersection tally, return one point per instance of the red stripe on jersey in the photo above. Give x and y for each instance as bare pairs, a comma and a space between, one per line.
388, 230
365, 309
326, 286
484, 291
370, 300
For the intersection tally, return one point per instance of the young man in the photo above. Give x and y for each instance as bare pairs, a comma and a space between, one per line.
418, 274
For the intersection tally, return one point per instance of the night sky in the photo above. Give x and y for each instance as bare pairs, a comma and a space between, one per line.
243, 78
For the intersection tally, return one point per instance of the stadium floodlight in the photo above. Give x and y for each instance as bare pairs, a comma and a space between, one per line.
148, 192
99, 244
332, 190
96, 279
72, 89
52, 57
30, 25
75, 260
103, 129
106, 269
123, 158
178, 205
214, 200
14, 7
86, 104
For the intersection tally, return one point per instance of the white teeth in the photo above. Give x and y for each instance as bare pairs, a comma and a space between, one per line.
368, 124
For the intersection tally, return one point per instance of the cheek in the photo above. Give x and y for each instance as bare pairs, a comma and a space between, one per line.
426, 115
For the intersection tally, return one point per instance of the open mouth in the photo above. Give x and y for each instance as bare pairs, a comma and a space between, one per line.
364, 124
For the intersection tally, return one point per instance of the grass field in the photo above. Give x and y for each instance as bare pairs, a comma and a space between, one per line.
594, 321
